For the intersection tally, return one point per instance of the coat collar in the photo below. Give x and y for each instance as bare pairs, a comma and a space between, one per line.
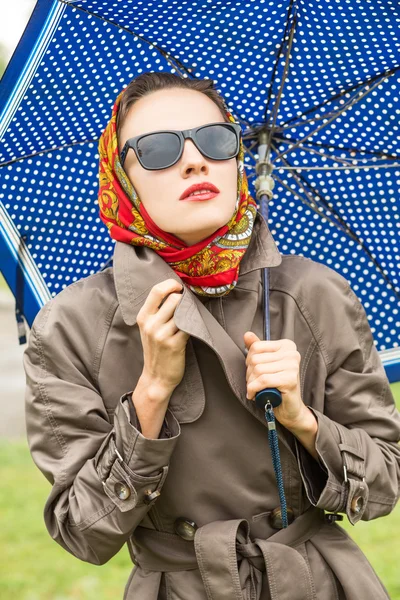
138, 268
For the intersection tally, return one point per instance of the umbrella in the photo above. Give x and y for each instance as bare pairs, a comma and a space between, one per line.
314, 83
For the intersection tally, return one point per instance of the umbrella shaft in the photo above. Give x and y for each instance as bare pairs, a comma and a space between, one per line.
267, 332
265, 274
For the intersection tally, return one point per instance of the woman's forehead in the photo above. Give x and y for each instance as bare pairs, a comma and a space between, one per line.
171, 109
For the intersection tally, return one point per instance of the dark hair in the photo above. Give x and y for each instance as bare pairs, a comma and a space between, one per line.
146, 83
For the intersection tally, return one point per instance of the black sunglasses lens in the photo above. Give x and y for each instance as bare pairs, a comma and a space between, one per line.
158, 150
218, 141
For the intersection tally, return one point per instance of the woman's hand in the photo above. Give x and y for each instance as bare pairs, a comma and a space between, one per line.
276, 364
164, 345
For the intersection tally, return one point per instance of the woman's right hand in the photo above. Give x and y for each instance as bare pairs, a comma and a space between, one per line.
164, 344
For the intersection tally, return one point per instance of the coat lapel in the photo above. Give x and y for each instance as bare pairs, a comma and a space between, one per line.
137, 269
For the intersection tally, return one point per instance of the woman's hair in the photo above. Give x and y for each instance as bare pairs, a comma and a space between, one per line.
146, 83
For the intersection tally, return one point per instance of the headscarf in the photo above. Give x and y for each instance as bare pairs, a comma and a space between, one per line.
208, 268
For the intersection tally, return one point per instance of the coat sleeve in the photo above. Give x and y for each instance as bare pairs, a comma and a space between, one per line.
105, 477
358, 467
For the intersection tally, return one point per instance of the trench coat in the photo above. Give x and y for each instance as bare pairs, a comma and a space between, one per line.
210, 471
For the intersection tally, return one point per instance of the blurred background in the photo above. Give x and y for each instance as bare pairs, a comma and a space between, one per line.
33, 566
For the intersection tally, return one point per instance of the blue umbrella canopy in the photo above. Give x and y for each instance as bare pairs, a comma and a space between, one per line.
320, 78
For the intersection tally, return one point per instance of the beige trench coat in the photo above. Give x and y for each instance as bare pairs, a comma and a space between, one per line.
211, 464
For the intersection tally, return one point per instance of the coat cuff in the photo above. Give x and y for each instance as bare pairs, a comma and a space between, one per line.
132, 467
336, 482
165, 430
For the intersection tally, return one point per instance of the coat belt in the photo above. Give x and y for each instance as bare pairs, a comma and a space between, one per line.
230, 563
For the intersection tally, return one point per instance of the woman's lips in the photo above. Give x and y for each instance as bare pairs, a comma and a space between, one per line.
200, 197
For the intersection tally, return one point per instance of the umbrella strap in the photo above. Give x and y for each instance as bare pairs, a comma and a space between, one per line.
276, 461
21, 329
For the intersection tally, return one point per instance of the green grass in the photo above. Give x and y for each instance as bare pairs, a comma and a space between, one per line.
3, 283
34, 567
379, 538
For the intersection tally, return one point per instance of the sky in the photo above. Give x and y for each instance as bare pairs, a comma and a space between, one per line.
14, 16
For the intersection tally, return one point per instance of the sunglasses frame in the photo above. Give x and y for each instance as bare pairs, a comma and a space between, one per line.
183, 135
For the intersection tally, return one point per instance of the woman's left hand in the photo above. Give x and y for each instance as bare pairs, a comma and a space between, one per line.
276, 364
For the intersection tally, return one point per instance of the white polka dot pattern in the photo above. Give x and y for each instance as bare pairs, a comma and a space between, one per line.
49, 153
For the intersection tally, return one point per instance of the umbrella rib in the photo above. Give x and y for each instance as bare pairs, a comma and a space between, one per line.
172, 60
278, 57
295, 193
389, 166
347, 149
164, 53
319, 198
344, 168
284, 76
315, 119
348, 230
339, 95
375, 262
310, 204
330, 156
354, 101
337, 159
14, 160
332, 168
246, 149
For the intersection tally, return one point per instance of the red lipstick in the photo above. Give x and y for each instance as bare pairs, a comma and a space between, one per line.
209, 191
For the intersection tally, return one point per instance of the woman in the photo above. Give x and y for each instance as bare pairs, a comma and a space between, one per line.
140, 401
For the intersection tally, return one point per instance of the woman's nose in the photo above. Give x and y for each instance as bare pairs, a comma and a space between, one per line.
192, 158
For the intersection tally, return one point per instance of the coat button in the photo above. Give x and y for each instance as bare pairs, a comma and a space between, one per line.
122, 490
357, 503
332, 517
149, 496
185, 528
275, 518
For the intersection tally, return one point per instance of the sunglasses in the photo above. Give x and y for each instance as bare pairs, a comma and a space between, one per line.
162, 149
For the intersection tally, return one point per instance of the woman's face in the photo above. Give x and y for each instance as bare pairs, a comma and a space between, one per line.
160, 190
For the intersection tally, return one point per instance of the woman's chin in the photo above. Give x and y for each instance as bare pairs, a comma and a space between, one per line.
195, 236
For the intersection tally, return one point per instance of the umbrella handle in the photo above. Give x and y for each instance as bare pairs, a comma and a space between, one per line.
271, 395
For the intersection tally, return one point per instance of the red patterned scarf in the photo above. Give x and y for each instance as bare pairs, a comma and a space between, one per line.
208, 268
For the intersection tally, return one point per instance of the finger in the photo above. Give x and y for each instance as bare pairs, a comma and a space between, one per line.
167, 310
181, 335
270, 357
249, 338
290, 367
272, 345
285, 364
158, 295
174, 291
288, 344
279, 381
167, 328
253, 358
